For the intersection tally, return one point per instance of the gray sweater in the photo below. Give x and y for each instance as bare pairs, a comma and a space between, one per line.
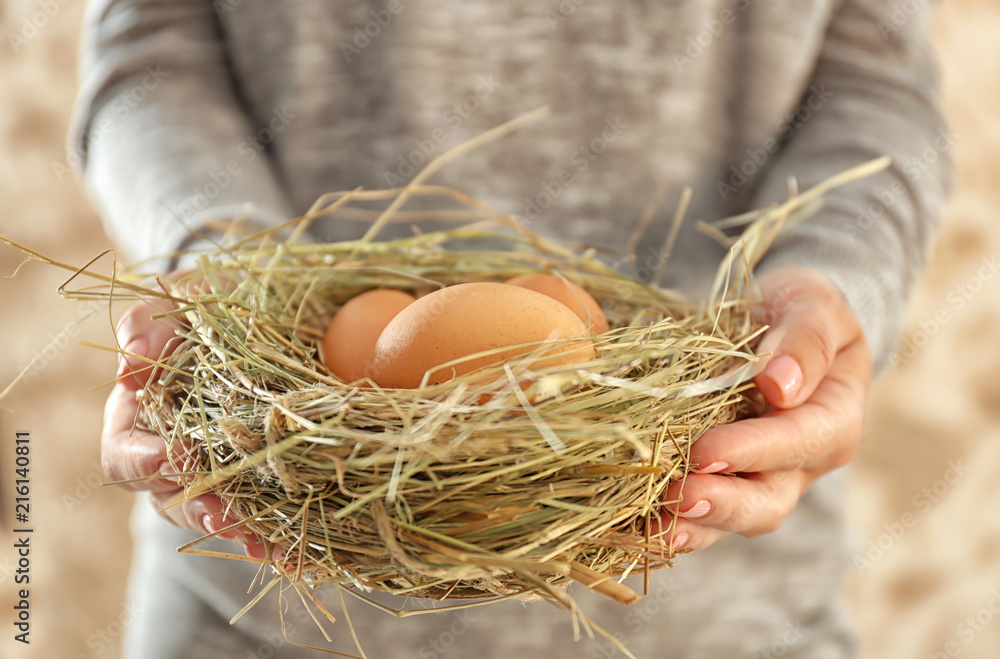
191, 111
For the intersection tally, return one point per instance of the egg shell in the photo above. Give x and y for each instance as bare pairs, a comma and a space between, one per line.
466, 319
349, 342
573, 296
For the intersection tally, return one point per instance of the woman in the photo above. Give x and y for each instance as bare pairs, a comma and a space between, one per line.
193, 113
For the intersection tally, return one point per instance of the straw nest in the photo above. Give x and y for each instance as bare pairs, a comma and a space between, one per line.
509, 481
506, 482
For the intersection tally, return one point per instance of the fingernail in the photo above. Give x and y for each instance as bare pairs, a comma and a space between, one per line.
713, 468
699, 509
231, 534
167, 472
208, 523
786, 374
680, 540
253, 547
134, 347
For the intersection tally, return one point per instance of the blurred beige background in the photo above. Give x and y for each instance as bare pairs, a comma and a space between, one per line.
926, 582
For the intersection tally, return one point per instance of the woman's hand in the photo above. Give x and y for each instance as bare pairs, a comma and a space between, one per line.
752, 473
128, 453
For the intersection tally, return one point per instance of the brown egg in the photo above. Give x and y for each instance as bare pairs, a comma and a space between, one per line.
573, 296
466, 319
349, 343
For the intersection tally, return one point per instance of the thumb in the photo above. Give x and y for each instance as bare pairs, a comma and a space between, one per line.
142, 339
811, 323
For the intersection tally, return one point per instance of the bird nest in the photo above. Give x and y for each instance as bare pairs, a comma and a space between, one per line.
505, 481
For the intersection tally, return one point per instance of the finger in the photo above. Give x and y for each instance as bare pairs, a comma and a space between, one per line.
751, 506
127, 455
254, 547
141, 339
688, 536
682, 535
207, 514
823, 433
204, 514
810, 323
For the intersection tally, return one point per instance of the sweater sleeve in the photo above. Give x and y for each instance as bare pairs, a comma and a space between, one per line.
876, 79
161, 141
